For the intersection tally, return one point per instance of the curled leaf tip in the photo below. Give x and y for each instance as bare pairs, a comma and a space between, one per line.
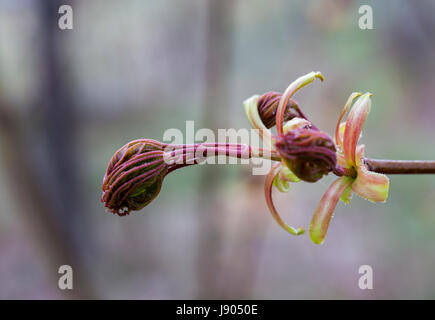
299, 231
281, 184
319, 75
289, 92
268, 194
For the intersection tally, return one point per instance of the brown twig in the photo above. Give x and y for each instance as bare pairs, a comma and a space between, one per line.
401, 166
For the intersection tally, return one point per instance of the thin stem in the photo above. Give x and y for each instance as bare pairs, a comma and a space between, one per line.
243, 151
401, 166
179, 156
184, 155
265, 154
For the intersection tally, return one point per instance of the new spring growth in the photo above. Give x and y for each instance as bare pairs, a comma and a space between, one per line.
308, 153
301, 152
268, 105
136, 171
134, 176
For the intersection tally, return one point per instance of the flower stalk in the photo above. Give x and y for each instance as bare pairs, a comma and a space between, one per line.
300, 150
401, 166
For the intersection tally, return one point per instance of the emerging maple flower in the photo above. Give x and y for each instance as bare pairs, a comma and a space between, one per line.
369, 185
285, 142
134, 176
308, 153
262, 113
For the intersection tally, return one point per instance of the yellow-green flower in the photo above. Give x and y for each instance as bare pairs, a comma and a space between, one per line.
369, 185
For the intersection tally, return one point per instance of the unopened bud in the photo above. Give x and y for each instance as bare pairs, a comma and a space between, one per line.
134, 176
268, 105
309, 153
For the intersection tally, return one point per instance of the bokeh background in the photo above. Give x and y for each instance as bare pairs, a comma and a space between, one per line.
131, 69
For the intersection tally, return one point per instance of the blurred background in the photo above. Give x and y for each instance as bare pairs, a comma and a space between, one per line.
70, 98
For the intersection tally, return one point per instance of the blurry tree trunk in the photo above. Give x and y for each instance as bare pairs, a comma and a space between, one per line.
219, 36
29, 193
50, 185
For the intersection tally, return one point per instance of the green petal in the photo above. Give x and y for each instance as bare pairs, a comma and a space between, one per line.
287, 175
354, 124
281, 185
250, 106
347, 195
268, 194
371, 185
339, 130
289, 92
323, 214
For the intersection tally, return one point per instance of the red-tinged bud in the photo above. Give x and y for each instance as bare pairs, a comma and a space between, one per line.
134, 176
268, 105
309, 153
